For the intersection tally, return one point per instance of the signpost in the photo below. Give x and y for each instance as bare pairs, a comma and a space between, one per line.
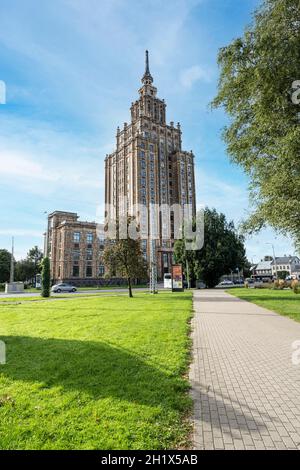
177, 278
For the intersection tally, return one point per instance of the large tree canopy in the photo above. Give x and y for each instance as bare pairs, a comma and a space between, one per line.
255, 88
223, 250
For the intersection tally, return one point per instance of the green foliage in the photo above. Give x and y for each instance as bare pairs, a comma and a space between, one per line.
45, 277
222, 252
96, 373
24, 270
255, 88
124, 257
5, 258
282, 274
35, 255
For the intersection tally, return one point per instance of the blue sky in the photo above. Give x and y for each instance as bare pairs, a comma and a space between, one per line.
72, 69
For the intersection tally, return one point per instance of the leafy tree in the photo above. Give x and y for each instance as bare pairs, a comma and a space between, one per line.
125, 258
35, 255
222, 252
282, 274
45, 277
255, 88
25, 270
5, 258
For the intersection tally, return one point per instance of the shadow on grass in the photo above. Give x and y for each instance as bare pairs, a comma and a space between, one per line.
91, 367
268, 298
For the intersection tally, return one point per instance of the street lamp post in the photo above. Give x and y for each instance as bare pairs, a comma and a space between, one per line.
11, 277
274, 257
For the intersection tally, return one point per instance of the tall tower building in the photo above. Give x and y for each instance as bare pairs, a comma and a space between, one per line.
149, 167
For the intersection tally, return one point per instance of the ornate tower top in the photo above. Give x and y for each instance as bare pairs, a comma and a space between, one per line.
147, 77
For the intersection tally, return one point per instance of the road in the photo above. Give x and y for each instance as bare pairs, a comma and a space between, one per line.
86, 292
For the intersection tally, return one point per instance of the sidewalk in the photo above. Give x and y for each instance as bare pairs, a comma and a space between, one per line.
245, 388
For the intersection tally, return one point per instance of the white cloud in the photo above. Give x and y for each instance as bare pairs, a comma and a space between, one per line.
19, 165
194, 74
20, 232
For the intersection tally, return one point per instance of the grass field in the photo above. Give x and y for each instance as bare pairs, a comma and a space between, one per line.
285, 302
95, 373
20, 299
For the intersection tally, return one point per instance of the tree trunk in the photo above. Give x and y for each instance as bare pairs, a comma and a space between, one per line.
129, 287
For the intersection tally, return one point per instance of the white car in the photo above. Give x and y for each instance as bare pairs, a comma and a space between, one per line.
63, 287
225, 284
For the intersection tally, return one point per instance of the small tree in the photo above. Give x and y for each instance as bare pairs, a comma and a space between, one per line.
35, 256
125, 257
45, 277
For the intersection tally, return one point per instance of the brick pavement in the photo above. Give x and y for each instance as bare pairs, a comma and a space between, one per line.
245, 387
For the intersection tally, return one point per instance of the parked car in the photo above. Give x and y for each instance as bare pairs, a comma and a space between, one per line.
254, 283
238, 282
200, 285
225, 283
63, 287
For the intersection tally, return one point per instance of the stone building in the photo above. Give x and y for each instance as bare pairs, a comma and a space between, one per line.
149, 167
75, 249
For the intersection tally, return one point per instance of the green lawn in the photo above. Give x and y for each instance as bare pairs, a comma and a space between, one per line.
96, 373
285, 302
20, 298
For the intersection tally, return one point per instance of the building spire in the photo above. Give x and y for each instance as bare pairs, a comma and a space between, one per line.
147, 77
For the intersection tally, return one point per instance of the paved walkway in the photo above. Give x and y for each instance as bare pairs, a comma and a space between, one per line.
245, 387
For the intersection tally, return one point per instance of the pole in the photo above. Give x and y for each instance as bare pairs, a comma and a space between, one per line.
188, 274
11, 280
275, 260
46, 241
153, 265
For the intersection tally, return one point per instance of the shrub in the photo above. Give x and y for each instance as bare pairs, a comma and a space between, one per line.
246, 285
45, 278
276, 284
295, 286
281, 283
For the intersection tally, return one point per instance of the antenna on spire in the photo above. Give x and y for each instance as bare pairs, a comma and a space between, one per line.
147, 78
147, 71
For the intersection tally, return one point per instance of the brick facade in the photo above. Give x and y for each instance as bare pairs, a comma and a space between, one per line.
149, 166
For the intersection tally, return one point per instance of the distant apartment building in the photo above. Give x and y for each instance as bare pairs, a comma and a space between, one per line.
263, 269
289, 264
269, 268
149, 167
75, 249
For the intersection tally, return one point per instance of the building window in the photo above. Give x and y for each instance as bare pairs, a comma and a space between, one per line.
89, 238
76, 237
89, 270
89, 254
101, 270
75, 270
101, 243
165, 260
